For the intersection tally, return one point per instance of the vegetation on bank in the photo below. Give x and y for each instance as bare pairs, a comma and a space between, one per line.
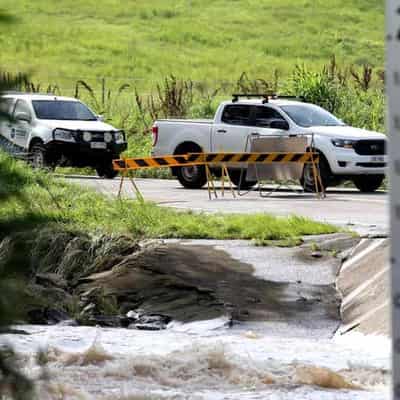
31, 198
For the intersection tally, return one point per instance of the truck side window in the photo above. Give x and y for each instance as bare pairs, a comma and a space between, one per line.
22, 107
264, 115
5, 106
237, 114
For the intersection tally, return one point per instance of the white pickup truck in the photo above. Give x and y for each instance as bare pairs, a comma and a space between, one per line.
347, 153
53, 130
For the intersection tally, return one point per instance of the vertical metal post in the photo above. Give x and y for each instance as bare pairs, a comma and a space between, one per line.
393, 126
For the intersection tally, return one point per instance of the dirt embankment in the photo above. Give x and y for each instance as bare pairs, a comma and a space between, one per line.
116, 281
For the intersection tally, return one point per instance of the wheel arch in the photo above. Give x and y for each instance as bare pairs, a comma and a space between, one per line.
186, 147
34, 141
321, 154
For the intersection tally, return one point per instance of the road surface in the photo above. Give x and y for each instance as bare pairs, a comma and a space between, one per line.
364, 213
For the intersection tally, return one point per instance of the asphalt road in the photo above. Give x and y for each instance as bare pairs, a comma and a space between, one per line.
364, 213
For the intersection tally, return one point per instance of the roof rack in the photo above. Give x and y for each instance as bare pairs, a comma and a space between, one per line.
265, 96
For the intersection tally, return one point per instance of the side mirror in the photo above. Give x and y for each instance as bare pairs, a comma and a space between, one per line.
280, 124
100, 118
21, 116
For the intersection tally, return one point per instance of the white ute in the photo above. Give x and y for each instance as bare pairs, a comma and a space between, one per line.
53, 130
347, 153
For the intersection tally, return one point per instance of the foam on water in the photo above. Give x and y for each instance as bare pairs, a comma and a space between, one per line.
197, 362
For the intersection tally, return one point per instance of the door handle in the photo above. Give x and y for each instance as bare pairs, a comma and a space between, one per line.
221, 131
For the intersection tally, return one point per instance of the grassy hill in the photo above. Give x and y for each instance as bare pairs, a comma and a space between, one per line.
210, 40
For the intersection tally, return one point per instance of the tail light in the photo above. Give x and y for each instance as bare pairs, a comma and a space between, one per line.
154, 131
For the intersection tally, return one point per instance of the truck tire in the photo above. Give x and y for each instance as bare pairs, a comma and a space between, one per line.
106, 170
193, 177
307, 180
238, 177
39, 157
368, 183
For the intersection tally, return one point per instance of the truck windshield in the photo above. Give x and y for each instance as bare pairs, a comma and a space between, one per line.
307, 115
62, 109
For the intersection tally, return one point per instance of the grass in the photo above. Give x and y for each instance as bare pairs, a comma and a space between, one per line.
213, 40
30, 198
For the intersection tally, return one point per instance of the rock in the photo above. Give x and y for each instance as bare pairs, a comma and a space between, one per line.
12, 331
150, 322
56, 316
316, 254
149, 327
68, 322
133, 314
105, 320
47, 316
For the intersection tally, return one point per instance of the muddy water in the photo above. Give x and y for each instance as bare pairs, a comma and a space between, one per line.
259, 330
205, 361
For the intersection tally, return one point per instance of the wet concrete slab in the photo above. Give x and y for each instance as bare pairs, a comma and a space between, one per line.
196, 282
364, 285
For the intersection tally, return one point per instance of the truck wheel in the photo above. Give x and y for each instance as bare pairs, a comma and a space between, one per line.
368, 183
193, 177
307, 180
39, 157
238, 177
106, 170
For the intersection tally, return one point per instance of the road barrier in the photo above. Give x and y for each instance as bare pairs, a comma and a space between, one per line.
184, 160
217, 159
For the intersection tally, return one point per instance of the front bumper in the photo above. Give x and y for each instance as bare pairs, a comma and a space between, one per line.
82, 154
348, 162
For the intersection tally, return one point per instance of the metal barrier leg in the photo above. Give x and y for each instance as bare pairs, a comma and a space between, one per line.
139, 195
224, 174
317, 180
222, 181
210, 183
121, 183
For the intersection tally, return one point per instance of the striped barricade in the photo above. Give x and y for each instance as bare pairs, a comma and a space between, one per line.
185, 160
213, 159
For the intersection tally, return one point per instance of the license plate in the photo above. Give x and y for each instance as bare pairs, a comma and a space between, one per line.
98, 145
377, 159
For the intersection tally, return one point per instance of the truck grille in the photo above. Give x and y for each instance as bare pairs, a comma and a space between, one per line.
370, 147
97, 136
371, 165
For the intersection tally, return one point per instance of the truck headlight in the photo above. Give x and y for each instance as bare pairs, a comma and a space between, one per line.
119, 136
63, 134
87, 136
108, 137
345, 143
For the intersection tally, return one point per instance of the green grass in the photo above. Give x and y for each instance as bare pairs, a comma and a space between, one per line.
30, 198
207, 40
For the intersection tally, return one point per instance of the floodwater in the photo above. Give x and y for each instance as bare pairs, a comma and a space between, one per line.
252, 347
204, 360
